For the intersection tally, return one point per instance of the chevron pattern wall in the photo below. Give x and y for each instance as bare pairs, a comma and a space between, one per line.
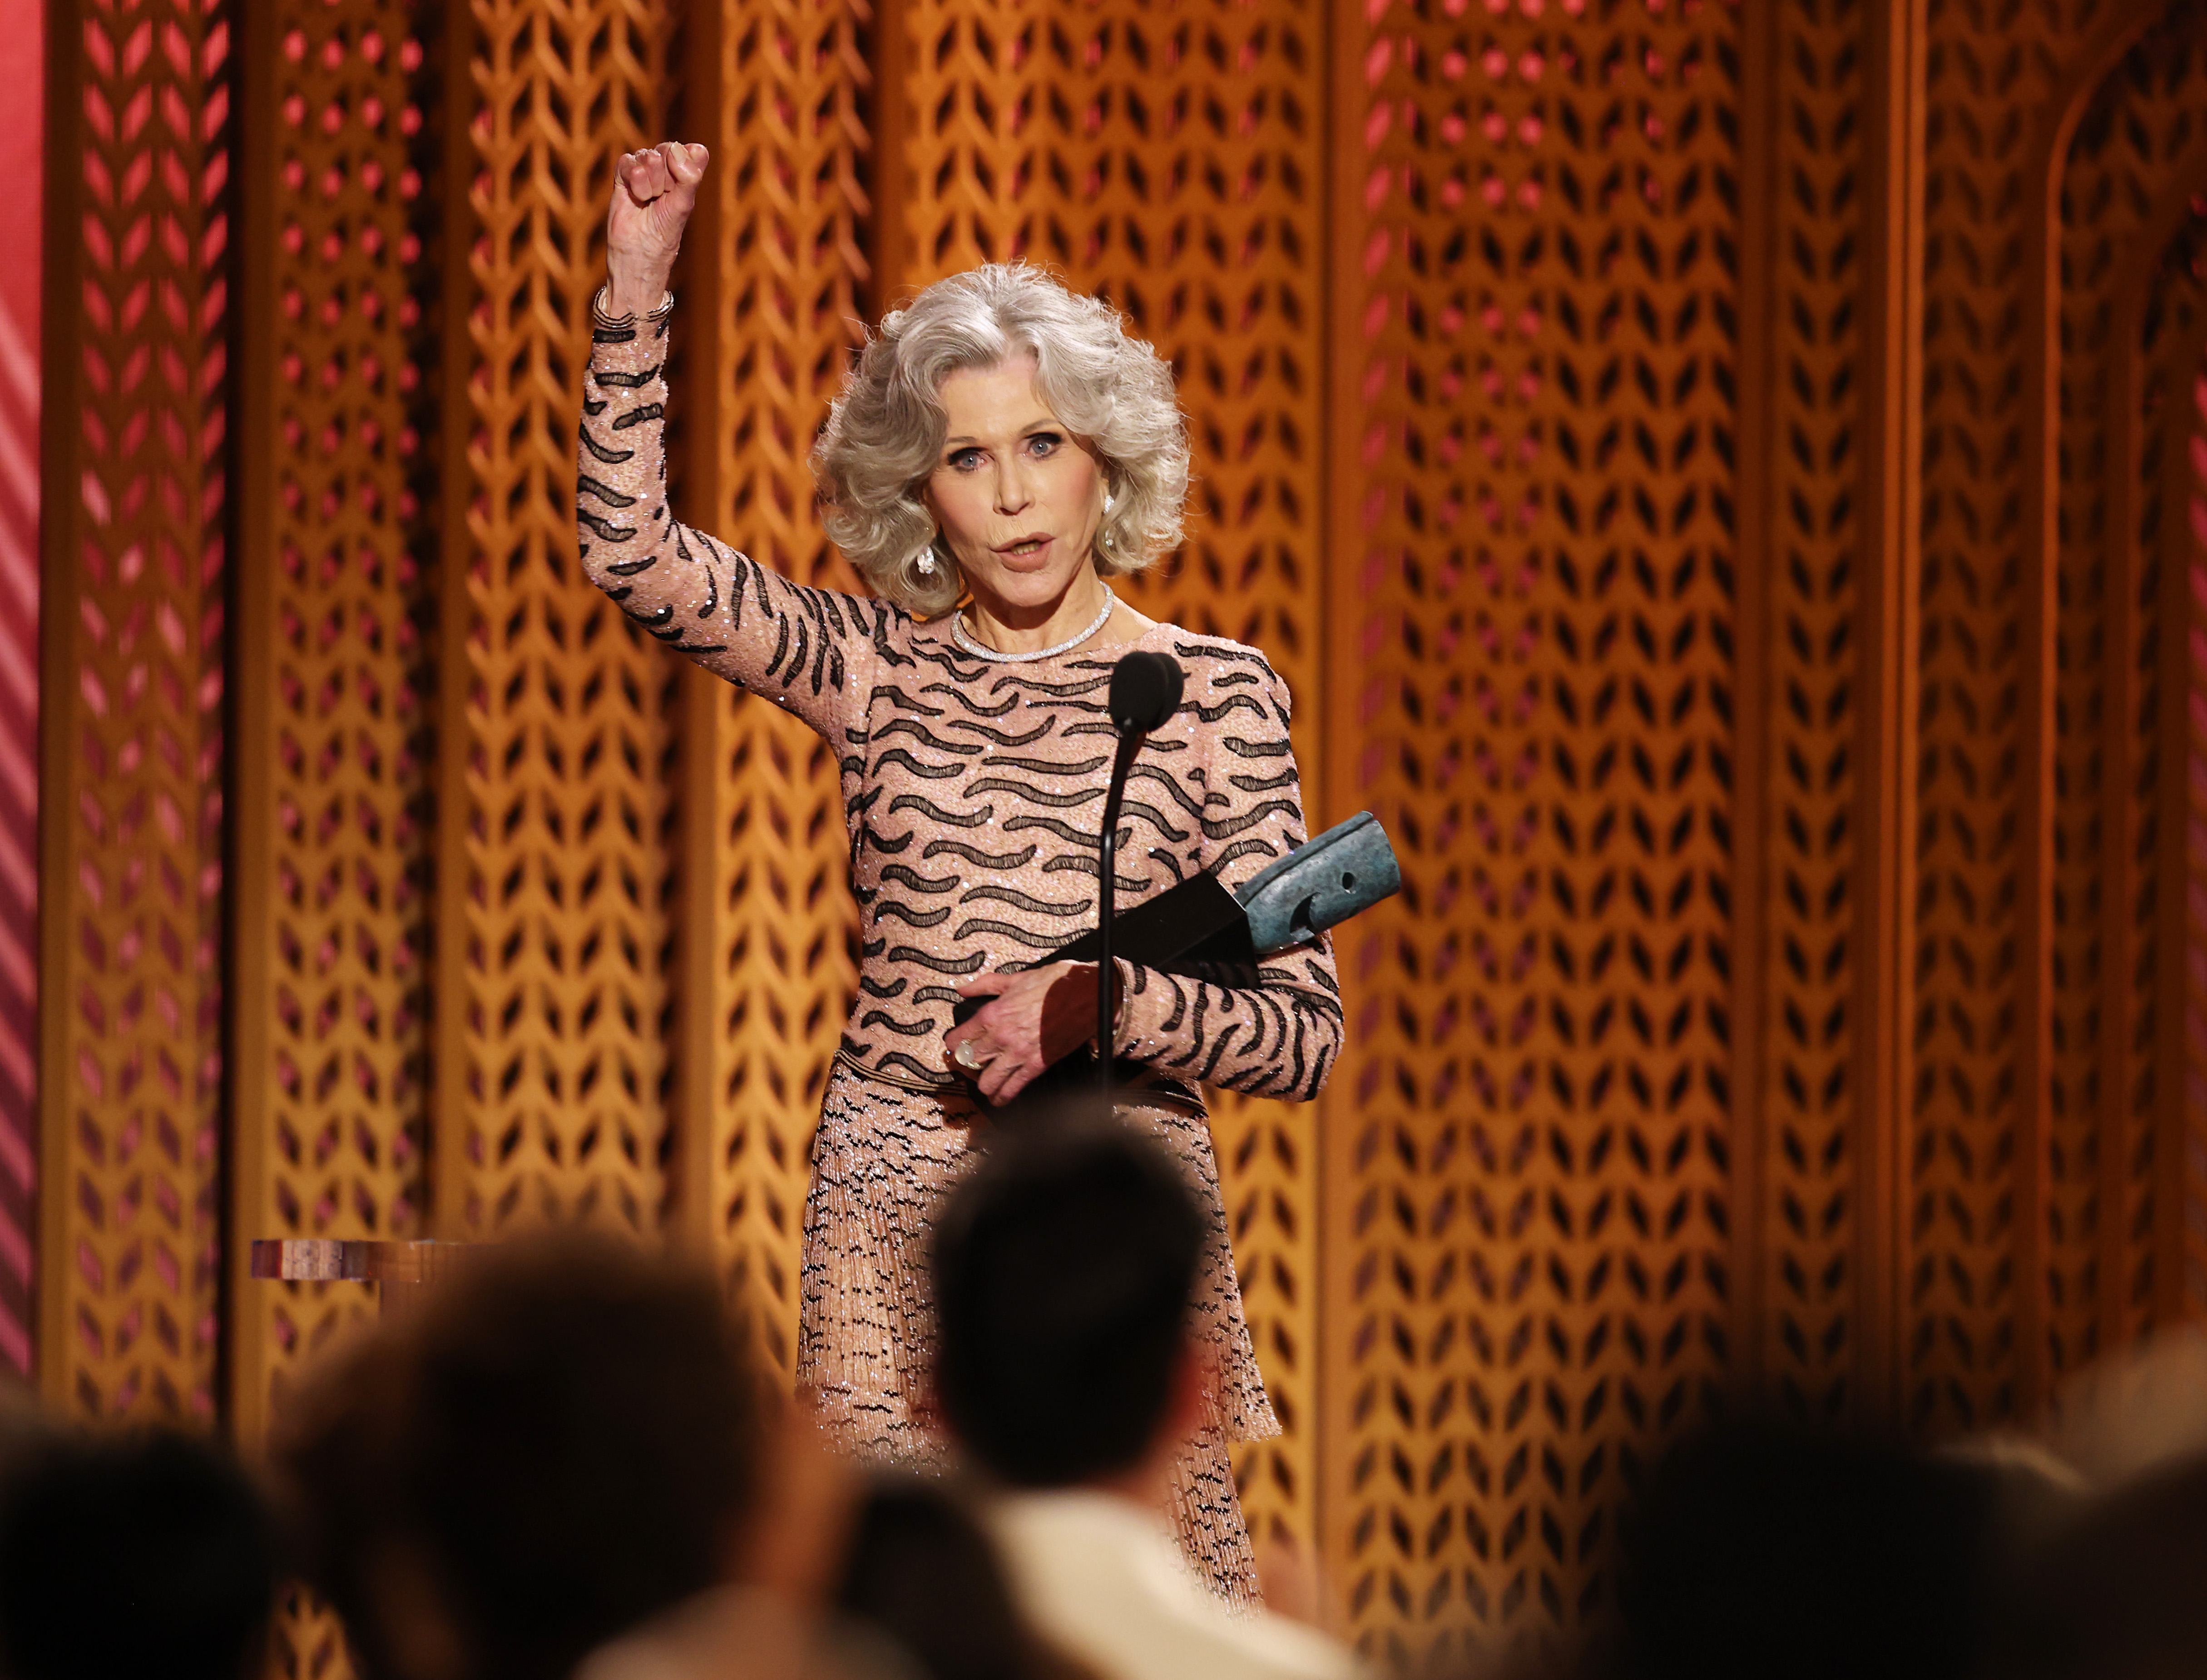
1723, 481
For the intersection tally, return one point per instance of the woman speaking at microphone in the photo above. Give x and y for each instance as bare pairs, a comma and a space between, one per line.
1000, 451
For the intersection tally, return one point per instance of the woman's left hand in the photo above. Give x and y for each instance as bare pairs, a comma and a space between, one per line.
1035, 1017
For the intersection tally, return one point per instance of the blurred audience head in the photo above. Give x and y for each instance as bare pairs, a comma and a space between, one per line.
558, 1445
2121, 1593
127, 1556
1757, 1548
922, 1572
1063, 1268
2135, 1408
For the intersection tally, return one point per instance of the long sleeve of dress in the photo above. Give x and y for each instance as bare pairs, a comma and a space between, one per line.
1279, 1037
797, 645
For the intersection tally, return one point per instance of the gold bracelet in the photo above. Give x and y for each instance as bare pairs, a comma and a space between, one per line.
601, 308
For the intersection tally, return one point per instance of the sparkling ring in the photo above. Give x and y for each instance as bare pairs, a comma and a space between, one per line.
965, 1057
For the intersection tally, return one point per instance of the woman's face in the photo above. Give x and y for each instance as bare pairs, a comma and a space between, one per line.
1018, 496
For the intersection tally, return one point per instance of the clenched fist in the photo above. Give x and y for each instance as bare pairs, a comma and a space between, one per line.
653, 193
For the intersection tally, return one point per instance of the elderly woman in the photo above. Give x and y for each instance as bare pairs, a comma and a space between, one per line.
1002, 451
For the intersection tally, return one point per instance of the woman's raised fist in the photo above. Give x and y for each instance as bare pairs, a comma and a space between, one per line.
654, 193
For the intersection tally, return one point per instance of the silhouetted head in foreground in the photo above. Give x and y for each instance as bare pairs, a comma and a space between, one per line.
2121, 1593
1063, 1268
131, 1556
1759, 1549
921, 1570
558, 1444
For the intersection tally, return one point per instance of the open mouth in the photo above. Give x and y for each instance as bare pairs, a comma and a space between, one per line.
1025, 548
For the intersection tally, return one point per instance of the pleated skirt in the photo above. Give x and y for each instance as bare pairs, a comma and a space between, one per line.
883, 1159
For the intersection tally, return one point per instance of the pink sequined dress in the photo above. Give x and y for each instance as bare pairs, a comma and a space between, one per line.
972, 789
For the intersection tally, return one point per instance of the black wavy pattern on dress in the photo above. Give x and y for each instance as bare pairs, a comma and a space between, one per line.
1018, 935
918, 731
904, 703
968, 702
965, 964
1242, 749
1155, 818
1064, 692
919, 767
1105, 727
902, 1029
973, 854
1062, 801
1002, 737
1064, 831
1248, 819
1174, 785
918, 919
1072, 861
1043, 767
1231, 652
1244, 848
585, 485
890, 1061
918, 883
1233, 702
1019, 900
927, 808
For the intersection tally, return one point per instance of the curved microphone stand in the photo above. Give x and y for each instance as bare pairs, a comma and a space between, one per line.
1145, 690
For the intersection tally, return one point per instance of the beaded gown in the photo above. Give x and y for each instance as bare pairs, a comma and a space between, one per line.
971, 789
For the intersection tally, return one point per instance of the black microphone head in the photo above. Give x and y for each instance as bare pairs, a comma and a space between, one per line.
1145, 690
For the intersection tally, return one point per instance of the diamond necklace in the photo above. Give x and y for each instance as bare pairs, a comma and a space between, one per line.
981, 650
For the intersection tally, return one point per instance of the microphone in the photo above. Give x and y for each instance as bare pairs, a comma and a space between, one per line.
1145, 690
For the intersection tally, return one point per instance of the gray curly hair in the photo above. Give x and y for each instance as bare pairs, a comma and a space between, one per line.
884, 434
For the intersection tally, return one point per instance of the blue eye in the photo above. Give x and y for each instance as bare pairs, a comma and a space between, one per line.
965, 460
1045, 443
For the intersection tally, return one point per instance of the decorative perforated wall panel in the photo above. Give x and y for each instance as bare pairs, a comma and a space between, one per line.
2184, 1006
337, 687
131, 1066
554, 867
2135, 163
783, 289
22, 155
1976, 1211
1812, 549
1552, 370
1533, 1161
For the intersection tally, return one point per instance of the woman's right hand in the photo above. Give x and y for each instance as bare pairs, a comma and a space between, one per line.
654, 192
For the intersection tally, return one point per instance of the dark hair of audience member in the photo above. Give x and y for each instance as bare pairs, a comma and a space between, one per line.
2121, 1593
130, 1556
1758, 1548
558, 1445
1063, 1268
921, 1570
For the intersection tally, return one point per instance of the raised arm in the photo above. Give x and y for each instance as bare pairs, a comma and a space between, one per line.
1280, 1037
799, 647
